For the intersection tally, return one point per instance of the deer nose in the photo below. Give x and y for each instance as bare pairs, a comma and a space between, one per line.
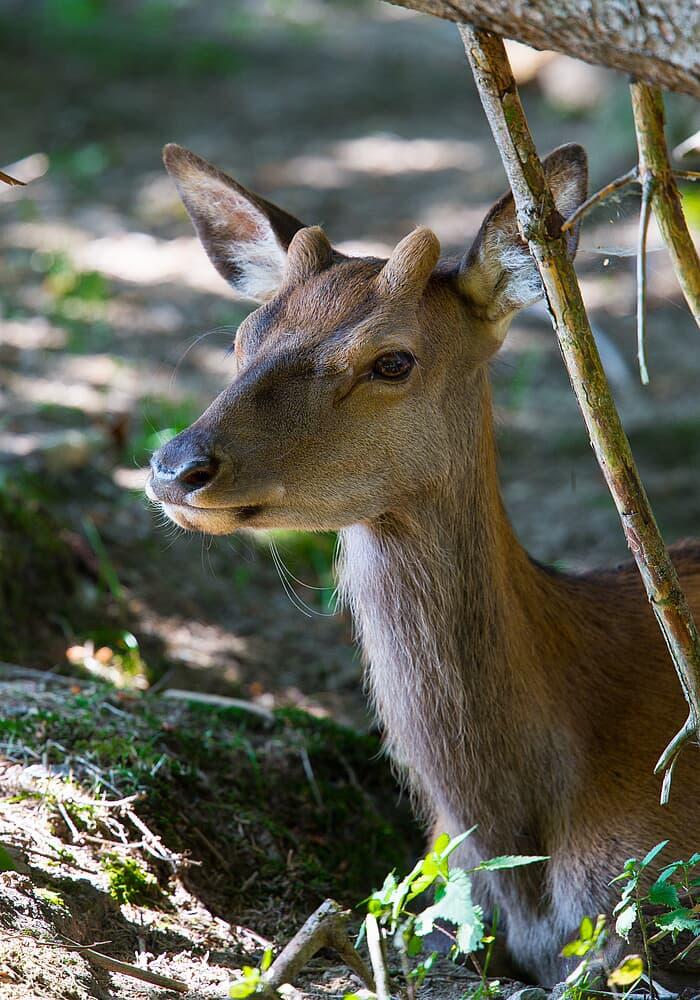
172, 482
197, 472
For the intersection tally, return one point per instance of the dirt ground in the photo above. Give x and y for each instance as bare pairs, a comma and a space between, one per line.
113, 326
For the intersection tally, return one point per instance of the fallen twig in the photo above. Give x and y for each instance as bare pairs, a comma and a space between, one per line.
178, 694
644, 215
325, 928
125, 969
630, 177
537, 219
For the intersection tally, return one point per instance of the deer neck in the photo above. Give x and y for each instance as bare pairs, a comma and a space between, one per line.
456, 625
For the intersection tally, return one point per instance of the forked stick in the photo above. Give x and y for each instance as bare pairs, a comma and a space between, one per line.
540, 226
325, 928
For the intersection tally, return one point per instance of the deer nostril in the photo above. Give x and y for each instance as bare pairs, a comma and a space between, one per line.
198, 472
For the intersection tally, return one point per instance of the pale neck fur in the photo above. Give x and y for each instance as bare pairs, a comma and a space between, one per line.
459, 630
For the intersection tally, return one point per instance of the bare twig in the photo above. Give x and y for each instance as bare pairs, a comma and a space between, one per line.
537, 220
687, 175
631, 177
125, 969
178, 694
325, 928
648, 110
644, 214
375, 945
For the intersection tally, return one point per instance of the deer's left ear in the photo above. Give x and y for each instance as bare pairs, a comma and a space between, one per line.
245, 237
498, 274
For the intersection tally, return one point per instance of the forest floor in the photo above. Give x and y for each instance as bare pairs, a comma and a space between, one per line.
114, 329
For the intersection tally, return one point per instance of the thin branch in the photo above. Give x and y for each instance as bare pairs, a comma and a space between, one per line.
644, 215
631, 177
537, 220
648, 111
687, 175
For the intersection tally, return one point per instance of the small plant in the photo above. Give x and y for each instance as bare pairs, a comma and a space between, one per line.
673, 890
129, 882
661, 901
592, 972
453, 905
251, 979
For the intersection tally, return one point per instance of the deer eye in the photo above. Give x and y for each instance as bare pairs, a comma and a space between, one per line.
394, 366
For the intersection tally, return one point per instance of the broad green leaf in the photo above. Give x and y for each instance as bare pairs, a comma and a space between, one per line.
664, 894
469, 933
681, 919
585, 931
453, 902
508, 861
266, 960
648, 858
627, 972
625, 921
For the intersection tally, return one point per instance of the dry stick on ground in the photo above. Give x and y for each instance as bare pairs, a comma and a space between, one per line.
124, 968
648, 110
325, 928
540, 225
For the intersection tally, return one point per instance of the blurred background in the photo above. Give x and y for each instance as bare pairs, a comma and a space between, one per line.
114, 328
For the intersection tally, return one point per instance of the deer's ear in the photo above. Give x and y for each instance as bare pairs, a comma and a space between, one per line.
498, 273
245, 236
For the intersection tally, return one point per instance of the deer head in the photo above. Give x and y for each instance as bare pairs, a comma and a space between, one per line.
352, 378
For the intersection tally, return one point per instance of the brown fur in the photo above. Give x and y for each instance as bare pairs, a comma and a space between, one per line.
529, 702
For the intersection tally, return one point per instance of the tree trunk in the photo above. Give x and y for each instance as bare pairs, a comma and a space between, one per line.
653, 40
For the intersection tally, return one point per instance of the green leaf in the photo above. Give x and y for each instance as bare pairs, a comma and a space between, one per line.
469, 934
414, 946
647, 860
266, 960
664, 894
681, 919
625, 921
441, 843
456, 841
7, 862
453, 903
508, 861
627, 972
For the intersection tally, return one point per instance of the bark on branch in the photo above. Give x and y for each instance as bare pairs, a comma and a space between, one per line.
655, 170
537, 219
661, 46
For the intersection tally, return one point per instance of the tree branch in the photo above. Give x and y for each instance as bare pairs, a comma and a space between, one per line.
644, 213
648, 110
605, 192
540, 225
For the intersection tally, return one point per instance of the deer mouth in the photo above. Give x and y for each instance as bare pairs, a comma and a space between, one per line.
211, 520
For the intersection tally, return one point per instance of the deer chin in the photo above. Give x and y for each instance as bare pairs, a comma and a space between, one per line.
216, 520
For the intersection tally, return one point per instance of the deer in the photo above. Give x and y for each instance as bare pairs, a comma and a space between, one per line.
530, 702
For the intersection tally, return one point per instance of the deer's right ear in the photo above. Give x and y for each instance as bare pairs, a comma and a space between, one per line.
245, 237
